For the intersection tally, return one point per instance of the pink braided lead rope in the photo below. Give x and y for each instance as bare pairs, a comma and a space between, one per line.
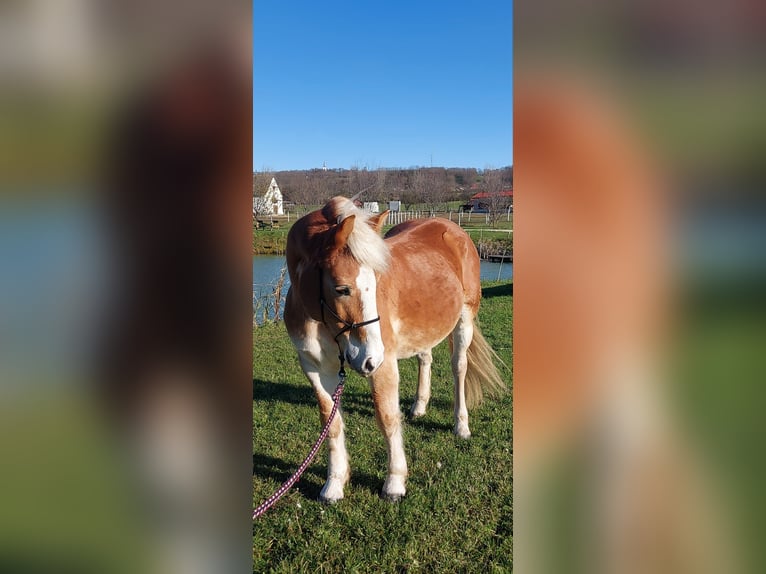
271, 500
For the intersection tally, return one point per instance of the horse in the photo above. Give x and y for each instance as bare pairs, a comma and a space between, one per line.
360, 298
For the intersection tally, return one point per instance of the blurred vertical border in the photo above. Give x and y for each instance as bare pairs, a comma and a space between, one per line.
640, 275
125, 343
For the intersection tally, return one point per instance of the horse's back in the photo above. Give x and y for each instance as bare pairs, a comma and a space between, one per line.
439, 250
433, 277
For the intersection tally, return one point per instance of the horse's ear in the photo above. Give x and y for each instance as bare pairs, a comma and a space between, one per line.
379, 220
343, 230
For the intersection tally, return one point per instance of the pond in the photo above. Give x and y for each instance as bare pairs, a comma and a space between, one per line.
266, 270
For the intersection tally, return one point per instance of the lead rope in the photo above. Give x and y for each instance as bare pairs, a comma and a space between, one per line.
271, 500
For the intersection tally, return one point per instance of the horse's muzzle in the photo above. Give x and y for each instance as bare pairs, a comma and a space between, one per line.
365, 367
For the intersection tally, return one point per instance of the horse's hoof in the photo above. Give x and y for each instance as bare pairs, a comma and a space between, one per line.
463, 433
393, 498
417, 410
331, 493
324, 498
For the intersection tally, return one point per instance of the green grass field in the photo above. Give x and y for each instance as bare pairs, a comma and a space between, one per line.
270, 241
273, 241
457, 515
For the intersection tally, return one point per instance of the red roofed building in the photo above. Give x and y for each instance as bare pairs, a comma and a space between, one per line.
483, 200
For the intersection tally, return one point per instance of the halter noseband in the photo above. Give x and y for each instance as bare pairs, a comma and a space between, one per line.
348, 326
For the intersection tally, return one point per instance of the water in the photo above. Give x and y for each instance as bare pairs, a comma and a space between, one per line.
266, 269
491, 271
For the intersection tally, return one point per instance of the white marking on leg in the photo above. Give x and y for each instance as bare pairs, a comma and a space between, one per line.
385, 391
394, 487
461, 337
424, 385
324, 382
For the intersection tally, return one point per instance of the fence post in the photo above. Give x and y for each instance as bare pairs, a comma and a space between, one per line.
500, 270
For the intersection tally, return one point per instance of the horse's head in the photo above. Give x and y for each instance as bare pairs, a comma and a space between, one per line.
355, 255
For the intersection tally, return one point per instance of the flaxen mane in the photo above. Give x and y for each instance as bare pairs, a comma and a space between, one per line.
364, 243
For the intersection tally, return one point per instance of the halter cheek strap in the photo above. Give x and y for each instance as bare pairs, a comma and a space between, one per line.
348, 326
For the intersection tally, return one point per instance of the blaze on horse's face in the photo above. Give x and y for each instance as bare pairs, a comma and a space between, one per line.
350, 289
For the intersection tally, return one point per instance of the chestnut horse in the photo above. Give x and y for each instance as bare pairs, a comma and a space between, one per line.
375, 301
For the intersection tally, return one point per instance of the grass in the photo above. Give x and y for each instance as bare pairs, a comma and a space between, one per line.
270, 241
273, 241
457, 516
720, 369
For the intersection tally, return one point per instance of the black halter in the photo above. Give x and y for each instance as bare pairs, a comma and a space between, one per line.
348, 326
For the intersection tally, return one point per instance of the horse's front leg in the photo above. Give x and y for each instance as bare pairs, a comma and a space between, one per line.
324, 380
385, 395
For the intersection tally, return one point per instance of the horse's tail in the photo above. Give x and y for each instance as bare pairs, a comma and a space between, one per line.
482, 377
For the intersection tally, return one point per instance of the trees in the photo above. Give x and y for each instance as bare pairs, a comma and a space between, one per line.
261, 181
493, 184
381, 178
361, 181
261, 207
429, 186
433, 186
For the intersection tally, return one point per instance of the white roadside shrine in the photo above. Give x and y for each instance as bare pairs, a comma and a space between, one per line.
270, 203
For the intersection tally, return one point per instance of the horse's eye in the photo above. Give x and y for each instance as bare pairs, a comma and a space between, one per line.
343, 290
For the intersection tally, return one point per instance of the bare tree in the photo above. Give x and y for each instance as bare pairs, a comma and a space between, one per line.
430, 187
361, 181
261, 182
381, 178
495, 199
261, 207
301, 191
439, 187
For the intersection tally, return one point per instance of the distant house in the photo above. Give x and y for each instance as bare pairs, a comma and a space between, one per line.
481, 202
371, 207
270, 203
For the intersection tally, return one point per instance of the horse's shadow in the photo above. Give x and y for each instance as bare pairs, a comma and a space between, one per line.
279, 470
505, 290
270, 468
354, 402
357, 403
268, 391
430, 425
310, 484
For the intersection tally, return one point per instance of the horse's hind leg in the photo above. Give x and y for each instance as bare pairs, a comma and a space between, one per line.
461, 339
424, 385
324, 382
385, 394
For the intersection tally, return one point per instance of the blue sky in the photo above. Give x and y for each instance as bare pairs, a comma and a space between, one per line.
382, 84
